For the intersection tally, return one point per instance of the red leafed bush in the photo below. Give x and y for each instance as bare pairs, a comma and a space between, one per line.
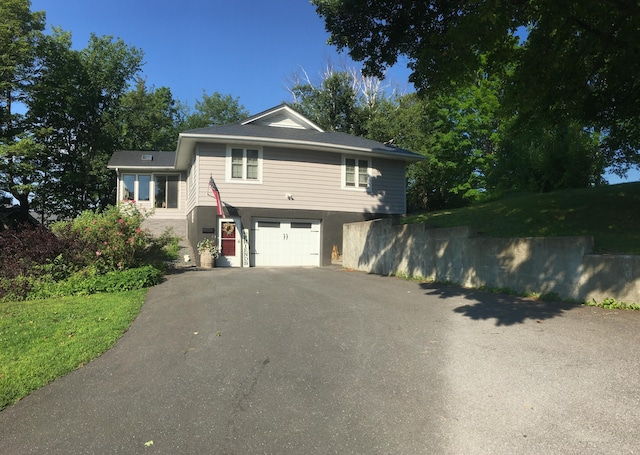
24, 249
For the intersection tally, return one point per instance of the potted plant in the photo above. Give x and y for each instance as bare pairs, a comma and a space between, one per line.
209, 252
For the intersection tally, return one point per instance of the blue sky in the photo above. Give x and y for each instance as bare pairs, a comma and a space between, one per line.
247, 49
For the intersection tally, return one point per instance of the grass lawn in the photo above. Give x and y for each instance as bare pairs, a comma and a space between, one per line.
45, 339
609, 214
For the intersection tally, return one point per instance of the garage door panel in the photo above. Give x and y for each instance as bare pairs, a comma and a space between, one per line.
286, 242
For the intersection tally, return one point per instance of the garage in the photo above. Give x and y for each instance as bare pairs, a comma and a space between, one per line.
283, 242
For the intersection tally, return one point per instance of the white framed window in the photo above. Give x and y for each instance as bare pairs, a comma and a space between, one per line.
166, 191
356, 173
161, 190
244, 164
136, 187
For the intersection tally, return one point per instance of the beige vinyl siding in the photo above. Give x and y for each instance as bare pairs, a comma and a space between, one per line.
210, 162
192, 186
312, 178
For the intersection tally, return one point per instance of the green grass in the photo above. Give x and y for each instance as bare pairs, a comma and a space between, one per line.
609, 214
44, 339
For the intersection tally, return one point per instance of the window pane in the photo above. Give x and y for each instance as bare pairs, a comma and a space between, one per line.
144, 182
252, 164
350, 172
269, 224
236, 163
161, 186
172, 191
300, 225
363, 173
129, 187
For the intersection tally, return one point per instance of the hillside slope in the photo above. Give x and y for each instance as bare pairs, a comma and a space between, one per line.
610, 214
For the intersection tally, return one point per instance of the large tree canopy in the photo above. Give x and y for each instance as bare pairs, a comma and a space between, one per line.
570, 60
20, 157
72, 110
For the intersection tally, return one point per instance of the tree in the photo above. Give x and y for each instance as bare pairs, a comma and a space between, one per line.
457, 133
214, 109
20, 31
334, 104
72, 107
149, 118
577, 61
537, 156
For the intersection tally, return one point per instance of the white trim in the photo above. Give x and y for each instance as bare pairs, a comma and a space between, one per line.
296, 118
152, 187
343, 173
228, 164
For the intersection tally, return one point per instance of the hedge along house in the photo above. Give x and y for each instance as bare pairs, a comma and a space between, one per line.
274, 189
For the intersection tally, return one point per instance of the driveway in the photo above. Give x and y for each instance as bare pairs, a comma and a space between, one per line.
324, 361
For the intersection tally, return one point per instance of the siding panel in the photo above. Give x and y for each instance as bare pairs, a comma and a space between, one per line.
312, 178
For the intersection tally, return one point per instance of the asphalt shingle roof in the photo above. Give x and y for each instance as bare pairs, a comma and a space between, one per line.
133, 158
333, 138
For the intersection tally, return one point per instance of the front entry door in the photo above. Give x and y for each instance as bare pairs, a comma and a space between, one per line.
230, 238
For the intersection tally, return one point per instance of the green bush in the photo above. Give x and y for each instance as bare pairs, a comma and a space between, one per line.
88, 281
104, 251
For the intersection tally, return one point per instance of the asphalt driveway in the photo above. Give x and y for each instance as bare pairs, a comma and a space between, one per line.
323, 361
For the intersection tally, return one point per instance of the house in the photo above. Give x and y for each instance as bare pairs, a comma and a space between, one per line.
274, 189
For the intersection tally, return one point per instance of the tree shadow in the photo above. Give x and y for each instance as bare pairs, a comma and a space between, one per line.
505, 309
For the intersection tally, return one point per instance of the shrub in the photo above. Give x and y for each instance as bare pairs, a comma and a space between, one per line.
88, 282
25, 250
115, 239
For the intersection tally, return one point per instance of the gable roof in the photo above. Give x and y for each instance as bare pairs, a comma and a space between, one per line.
279, 126
285, 127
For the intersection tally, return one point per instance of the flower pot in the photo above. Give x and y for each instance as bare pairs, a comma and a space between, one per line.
207, 261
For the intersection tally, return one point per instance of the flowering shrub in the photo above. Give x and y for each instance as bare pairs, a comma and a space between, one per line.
96, 252
113, 239
209, 245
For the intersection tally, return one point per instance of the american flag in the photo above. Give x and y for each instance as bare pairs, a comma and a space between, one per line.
216, 194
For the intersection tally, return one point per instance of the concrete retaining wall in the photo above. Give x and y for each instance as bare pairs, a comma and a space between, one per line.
561, 265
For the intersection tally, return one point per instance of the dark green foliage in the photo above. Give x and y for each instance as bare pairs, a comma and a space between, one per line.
96, 252
82, 283
214, 109
71, 109
565, 62
536, 156
334, 104
149, 118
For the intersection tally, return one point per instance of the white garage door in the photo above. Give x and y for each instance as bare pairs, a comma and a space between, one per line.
285, 242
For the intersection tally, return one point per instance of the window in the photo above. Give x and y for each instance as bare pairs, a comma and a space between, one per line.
356, 173
137, 187
244, 164
129, 187
166, 196
144, 182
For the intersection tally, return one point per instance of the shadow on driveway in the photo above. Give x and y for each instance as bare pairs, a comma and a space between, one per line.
505, 309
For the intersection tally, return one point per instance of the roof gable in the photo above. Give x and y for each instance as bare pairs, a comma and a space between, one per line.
282, 117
